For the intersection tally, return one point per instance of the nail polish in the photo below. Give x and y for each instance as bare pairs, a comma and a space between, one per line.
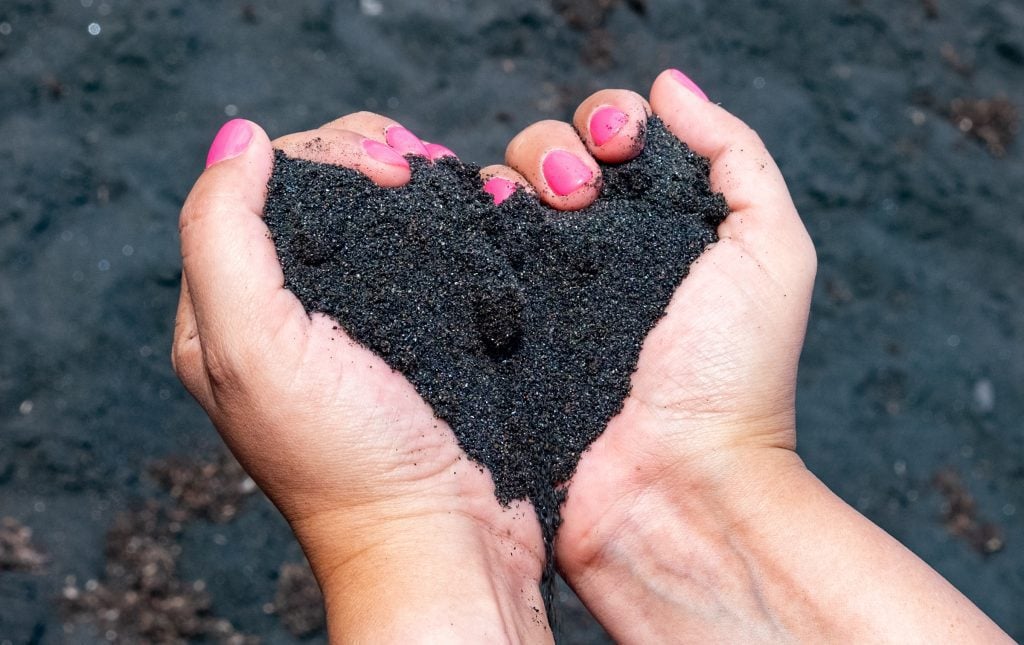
435, 151
499, 188
405, 142
383, 153
565, 172
232, 139
686, 82
606, 123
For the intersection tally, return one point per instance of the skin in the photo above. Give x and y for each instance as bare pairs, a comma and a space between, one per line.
690, 518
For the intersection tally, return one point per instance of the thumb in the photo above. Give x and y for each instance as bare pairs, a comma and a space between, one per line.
227, 254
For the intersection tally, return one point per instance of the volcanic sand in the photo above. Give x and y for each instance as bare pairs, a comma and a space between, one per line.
518, 323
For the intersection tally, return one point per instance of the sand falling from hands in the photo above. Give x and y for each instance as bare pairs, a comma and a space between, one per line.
519, 324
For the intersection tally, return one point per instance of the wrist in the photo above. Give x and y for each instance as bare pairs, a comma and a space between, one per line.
423, 577
638, 467
759, 550
681, 542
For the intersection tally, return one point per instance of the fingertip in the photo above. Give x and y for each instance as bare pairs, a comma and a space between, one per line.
380, 128
684, 108
499, 188
674, 87
551, 156
436, 151
238, 166
381, 163
682, 79
403, 141
612, 123
233, 140
501, 182
565, 172
384, 153
605, 123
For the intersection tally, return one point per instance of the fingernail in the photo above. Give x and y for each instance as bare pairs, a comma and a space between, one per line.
231, 141
384, 153
435, 151
404, 142
499, 188
606, 123
686, 82
565, 172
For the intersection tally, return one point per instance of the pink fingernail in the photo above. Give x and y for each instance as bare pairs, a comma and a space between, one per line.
606, 123
686, 82
499, 188
231, 141
404, 142
435, 151
384, 153
565, 172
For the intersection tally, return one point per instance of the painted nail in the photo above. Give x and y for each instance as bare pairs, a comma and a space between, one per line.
435, 151
231, 141
384, 153
500, 188
686, 82
606, 123
405, 142
565, 172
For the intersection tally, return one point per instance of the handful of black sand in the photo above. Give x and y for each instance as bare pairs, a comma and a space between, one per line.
519, 324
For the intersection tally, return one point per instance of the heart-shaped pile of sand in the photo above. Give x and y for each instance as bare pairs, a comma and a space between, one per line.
519, 324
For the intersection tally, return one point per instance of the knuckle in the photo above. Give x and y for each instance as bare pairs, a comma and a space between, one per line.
196, 206
183, 351
185, 362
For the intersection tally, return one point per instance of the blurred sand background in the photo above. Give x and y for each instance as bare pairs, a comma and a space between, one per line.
893, 121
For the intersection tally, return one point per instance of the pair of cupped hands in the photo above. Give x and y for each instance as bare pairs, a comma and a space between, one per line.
404, 533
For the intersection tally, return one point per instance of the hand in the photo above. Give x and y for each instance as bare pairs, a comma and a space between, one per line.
377, 490
714, 390
693, 504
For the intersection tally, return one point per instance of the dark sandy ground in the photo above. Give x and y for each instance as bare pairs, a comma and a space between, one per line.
893, 122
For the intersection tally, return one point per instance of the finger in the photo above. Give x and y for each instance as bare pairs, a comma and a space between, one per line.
230, 264
501, 182
551, 156
612, 124
436, 151
763, 217
380, 128
742, 169
378, 161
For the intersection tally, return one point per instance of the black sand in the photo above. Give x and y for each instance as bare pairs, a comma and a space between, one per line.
519, 324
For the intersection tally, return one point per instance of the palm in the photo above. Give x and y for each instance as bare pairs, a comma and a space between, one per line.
354, 432
716, 371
